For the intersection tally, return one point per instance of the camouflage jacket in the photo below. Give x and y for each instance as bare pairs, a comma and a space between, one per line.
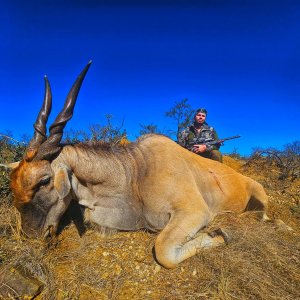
189, 137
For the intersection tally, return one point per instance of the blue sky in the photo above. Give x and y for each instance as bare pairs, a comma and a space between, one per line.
239, 59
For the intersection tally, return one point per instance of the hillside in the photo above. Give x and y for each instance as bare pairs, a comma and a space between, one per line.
261, 261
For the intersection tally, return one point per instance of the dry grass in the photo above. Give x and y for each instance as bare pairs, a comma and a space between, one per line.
260, 262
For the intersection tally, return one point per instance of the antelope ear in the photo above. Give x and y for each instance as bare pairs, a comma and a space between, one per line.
11, 166
62, 183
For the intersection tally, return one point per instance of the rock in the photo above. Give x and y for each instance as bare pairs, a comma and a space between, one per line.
15, 285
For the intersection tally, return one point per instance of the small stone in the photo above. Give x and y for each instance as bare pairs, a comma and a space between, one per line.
15, 283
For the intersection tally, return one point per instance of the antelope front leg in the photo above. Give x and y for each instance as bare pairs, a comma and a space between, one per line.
179, 239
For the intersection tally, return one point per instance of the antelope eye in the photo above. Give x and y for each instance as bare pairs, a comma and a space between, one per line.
44, 181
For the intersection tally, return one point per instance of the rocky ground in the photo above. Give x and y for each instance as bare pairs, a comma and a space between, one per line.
261, 261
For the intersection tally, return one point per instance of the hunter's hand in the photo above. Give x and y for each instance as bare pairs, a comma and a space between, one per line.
199, 148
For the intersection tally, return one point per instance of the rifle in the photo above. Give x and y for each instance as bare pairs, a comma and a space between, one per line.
209, 142
221, 141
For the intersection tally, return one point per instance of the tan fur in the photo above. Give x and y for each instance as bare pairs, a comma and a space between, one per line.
61, 183
24, 179
30, 154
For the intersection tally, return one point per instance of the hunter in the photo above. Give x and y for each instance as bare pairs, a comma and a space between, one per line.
196, 137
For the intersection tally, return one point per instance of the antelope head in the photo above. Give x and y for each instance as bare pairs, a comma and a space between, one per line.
41, 192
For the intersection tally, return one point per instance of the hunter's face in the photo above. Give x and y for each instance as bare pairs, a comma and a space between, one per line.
200, 118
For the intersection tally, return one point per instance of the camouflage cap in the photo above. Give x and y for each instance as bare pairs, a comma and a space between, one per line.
201, 110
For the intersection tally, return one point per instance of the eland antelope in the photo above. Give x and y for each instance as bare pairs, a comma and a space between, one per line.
152, 183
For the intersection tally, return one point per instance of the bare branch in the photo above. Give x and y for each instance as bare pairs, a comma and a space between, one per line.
10, 138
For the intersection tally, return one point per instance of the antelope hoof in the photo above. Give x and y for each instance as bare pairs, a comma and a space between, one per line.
282, 226
222, 233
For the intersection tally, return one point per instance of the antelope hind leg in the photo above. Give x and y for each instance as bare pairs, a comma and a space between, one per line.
278, 222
